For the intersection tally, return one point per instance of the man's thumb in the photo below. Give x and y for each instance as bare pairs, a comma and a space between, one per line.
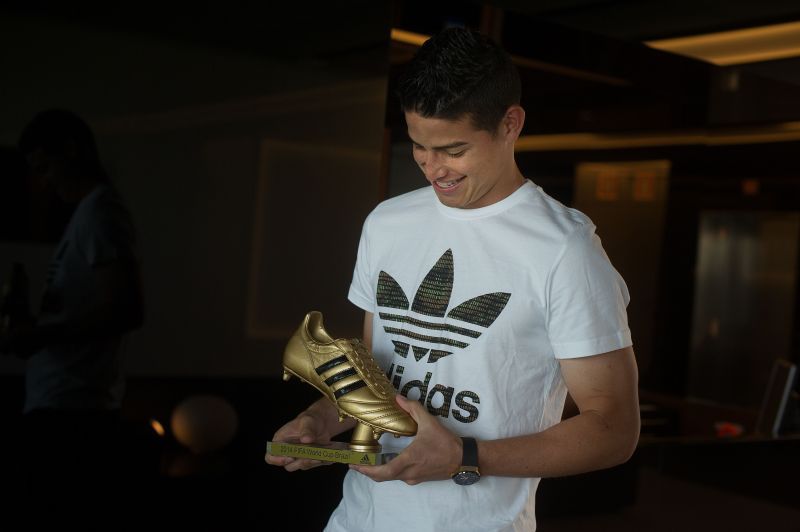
414, 408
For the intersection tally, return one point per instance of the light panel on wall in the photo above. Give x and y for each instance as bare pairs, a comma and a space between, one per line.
749, 45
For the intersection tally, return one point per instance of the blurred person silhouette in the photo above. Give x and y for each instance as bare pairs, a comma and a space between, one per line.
92, 298
14, 196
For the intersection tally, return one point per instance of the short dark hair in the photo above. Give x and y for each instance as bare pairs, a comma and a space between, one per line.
460, 72
53, 130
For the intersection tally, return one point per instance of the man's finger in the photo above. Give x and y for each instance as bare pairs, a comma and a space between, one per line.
414, 408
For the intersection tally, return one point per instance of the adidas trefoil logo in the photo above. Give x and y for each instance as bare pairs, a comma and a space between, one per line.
432, 299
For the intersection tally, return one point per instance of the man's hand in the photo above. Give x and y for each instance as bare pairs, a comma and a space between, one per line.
434, 454
305, 428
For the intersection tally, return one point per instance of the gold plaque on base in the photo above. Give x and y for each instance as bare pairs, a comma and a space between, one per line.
333, 452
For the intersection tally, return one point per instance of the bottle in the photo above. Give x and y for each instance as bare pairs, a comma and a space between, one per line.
15, 304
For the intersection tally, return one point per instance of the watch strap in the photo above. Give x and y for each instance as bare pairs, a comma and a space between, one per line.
469, 455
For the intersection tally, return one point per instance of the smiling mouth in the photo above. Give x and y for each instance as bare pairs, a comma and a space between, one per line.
448, 184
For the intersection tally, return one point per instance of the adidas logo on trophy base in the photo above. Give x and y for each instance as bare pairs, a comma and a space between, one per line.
345, 372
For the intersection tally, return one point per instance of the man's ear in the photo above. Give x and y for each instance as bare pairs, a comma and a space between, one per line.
511, 125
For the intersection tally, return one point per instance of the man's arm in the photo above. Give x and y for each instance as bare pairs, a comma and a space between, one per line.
367, 338
604, 433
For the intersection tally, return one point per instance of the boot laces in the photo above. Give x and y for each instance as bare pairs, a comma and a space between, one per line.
370, 368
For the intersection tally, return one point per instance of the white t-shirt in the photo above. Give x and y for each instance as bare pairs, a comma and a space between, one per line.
81, 374
472, 309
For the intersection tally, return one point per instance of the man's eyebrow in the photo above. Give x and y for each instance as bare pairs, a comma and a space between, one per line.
457, 144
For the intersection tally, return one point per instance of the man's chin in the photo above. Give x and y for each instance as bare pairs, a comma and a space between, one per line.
449, 201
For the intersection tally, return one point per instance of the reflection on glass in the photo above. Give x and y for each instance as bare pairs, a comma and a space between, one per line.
744, 303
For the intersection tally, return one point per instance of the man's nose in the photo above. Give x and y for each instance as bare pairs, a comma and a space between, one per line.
432, 167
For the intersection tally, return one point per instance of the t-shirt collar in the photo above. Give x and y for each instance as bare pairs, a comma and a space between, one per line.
490, 210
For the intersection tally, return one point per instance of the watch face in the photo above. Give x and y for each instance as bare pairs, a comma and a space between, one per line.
465, 478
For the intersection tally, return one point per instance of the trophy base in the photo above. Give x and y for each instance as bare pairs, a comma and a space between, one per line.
340, 452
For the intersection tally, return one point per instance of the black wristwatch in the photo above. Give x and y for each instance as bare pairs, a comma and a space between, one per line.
468, 472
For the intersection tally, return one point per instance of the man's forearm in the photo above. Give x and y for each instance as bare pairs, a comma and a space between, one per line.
583, 443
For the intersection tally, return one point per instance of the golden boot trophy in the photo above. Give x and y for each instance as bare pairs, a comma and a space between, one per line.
345, 372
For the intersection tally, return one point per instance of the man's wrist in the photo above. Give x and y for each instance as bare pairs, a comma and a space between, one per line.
468, 471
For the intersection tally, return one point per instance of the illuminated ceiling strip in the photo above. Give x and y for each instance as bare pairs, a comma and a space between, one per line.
786, 132
764, 43
418, 39
408, 37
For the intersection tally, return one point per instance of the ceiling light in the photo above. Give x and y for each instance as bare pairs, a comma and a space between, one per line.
764, 43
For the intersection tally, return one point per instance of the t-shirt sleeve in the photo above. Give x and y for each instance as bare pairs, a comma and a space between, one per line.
587, 300
361, 292
107, 235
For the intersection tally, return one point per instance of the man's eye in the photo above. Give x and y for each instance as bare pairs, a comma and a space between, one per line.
457, 154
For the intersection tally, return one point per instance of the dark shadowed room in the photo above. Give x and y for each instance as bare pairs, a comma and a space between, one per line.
240, 147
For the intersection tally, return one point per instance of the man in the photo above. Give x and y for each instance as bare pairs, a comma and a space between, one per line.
74, 382
486, 301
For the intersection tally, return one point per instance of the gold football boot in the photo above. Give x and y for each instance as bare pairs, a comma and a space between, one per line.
345, 372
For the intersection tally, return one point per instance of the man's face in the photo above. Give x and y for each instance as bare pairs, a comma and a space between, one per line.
467, 168
46, 169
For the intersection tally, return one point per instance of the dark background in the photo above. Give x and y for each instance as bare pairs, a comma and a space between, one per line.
251, 140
